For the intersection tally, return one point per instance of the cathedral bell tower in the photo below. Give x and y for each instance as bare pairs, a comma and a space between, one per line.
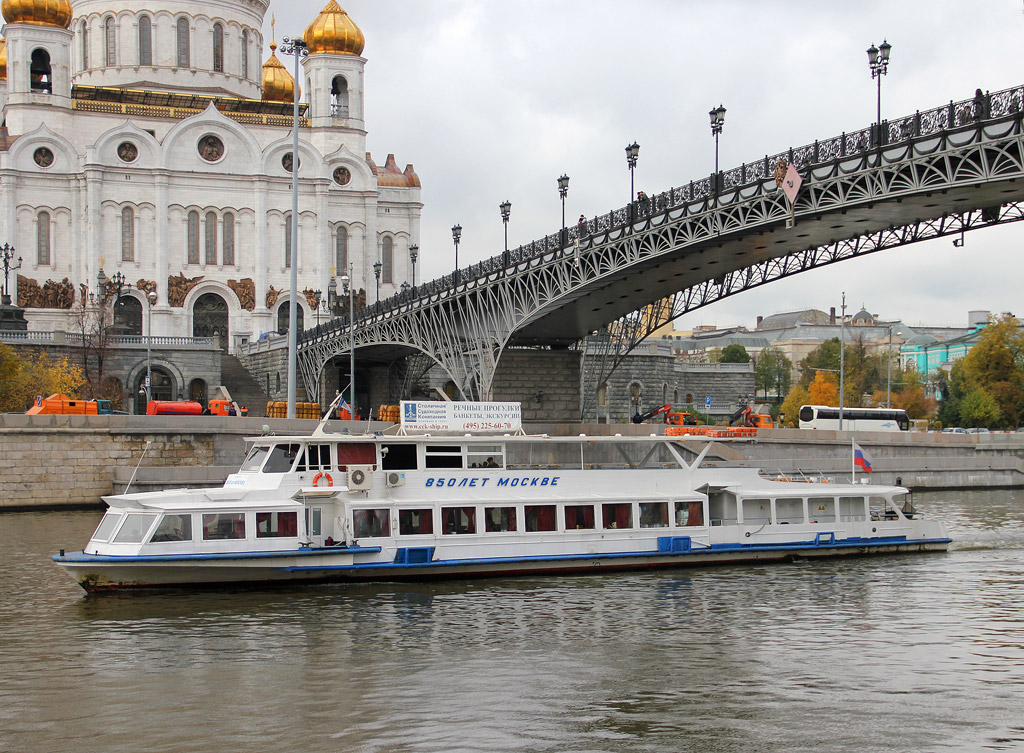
334, 70
38, 51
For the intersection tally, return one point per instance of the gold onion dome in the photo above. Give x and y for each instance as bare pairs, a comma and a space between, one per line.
38, 12
3, 59
278, 84
334, 33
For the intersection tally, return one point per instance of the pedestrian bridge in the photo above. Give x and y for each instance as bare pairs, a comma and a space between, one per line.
952, 169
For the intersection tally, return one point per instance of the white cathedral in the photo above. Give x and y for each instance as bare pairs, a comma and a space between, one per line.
151, 144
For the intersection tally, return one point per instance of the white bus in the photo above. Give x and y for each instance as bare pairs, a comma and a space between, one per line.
854, 419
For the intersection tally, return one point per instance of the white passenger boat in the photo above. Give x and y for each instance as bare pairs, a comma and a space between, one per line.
339, 507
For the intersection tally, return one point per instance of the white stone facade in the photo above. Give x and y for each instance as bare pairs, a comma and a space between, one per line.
185, 177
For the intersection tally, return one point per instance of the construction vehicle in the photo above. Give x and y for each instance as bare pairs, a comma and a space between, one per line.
60, 404
224, 405
745, 416
218, 406
677, 418
639, 417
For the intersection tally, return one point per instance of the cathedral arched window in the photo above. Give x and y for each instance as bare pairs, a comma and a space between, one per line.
192, 241
110, 41
40, 74
183, 43
210, 238
84, 27
43, 239
218, 48
127, 234
245, 53
288, 241
339, 97
145, 41
229, 239
341, 251
387, 260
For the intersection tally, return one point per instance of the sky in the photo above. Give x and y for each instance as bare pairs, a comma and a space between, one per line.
495, 100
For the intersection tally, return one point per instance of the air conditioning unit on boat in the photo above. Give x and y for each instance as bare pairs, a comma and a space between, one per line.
360, 477
396, 478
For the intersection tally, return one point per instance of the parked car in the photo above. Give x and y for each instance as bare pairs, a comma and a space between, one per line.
978, 430
954, 430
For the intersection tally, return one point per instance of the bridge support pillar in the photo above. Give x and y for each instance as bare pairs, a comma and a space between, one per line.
546, 382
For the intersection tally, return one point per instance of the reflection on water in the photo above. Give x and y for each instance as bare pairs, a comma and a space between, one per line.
905, 653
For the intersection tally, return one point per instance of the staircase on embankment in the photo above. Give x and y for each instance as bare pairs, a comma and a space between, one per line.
245, 390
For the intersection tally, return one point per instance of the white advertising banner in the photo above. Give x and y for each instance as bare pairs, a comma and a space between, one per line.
461, 416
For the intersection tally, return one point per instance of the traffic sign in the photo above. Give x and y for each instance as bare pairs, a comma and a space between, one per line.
707, 401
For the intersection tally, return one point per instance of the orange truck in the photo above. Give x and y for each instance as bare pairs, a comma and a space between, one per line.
60, 404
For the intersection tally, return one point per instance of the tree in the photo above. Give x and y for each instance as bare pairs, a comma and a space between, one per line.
773, 371
979, 408
824, 389
734, 353
790, 410
21, 379
995, 365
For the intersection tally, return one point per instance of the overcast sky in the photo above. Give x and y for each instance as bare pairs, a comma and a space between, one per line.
493, 100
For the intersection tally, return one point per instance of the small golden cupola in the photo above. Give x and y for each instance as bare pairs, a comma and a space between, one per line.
38, 12
3, 59
278, 84
334, 33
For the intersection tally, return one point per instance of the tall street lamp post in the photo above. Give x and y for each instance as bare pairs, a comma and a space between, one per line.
8, 254
717, 116
456, 236
878, 62
376, 273
149, 346
414, 251
506, 211
347, 287
563, 190
297, 47
842, 359
632, 152
317, 297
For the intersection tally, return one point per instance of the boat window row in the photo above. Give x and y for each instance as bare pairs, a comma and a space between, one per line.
726, 509
134, 527
456, 520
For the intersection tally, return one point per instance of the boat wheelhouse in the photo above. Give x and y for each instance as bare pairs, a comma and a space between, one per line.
338, 507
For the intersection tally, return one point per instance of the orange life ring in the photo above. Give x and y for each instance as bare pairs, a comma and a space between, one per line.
317, 477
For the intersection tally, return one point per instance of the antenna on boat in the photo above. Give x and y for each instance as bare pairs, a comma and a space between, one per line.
327, 415
132, 479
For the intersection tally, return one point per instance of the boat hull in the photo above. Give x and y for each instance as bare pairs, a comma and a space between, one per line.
98, 574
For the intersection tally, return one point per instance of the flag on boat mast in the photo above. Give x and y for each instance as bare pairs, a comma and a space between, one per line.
861, 459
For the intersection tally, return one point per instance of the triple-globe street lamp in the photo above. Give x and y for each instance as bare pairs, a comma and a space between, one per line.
348, 288
506, 211
632, 153
878, 62
414, 252
717, 116
7, 252
456, 236
563, 190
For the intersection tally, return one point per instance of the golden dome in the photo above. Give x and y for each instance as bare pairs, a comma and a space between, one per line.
334, 33
278, 84
38, 12
3, 59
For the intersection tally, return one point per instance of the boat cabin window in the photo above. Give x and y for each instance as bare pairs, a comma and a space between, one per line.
315, 457
654, 514
398, 457
225, 525
277, 524
173, 528
443, 456
541, 517
499, 519
579, 517
690, 513
254, 459
282, 456
789, 510
412, 522
485, 456
371, 523
617, 515
458, 520
356, 453
821, 509
757, 511
853, 508
106, 526
134, 528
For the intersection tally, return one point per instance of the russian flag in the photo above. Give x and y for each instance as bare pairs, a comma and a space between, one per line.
861, 459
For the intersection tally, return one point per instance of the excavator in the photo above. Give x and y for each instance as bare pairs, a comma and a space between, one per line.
745, 416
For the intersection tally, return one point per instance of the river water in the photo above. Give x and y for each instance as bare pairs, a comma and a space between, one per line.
920, 652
